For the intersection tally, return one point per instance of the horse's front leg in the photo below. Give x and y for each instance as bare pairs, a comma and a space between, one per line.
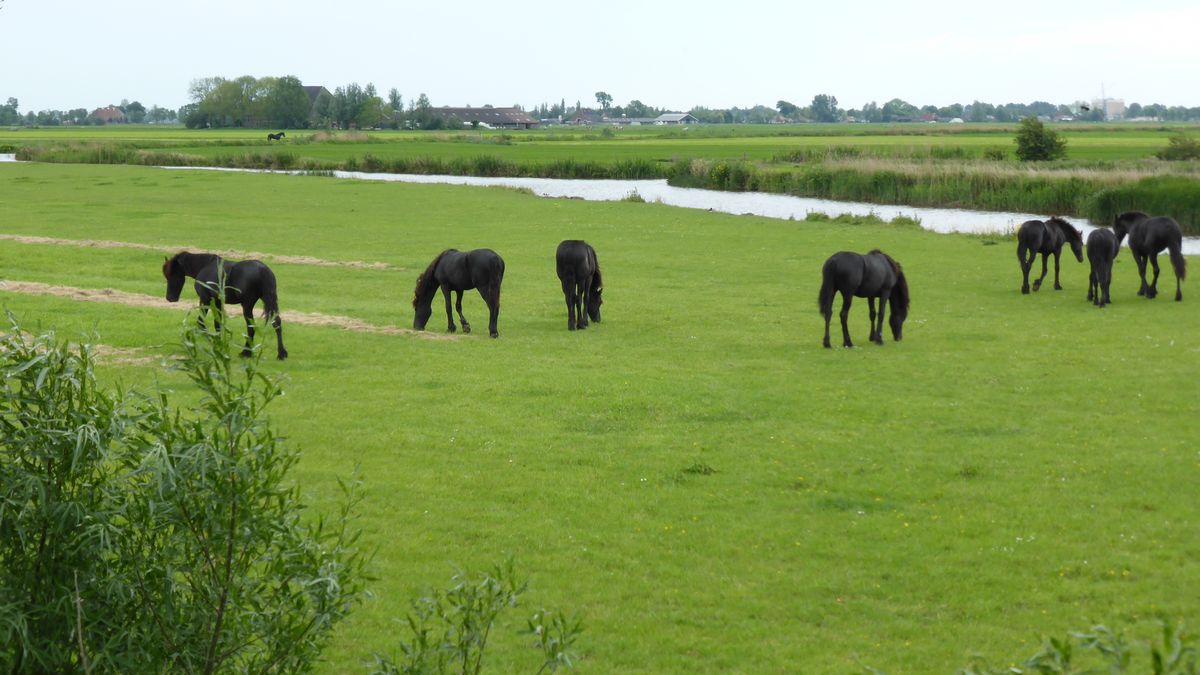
449, 310
1045, 260
248, 313
883, 300
871, 306
461, 319
1057, 254
845, 314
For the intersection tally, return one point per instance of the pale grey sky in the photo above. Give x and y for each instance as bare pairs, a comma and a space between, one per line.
63, 54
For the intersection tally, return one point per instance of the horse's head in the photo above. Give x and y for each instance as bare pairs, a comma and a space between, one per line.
595, 299
1125, 222
423, 310
175, 277
1072, 236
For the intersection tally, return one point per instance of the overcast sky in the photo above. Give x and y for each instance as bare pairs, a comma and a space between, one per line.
63, 54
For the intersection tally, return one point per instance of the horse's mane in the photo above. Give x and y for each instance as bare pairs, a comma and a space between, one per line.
900, 297
1069, 231
426, 283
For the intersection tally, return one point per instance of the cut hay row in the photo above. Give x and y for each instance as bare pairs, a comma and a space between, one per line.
110, 295
231, 254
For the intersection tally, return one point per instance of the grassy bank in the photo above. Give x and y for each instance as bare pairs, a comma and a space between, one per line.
1095, 192
706, 485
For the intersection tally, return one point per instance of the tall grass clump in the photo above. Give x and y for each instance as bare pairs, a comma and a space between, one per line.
1180, 147
1173, 196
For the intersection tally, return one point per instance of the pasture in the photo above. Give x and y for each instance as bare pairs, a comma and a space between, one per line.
695, 475
1085, 142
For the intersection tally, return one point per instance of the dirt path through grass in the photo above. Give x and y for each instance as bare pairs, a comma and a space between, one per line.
114, 296
231, 254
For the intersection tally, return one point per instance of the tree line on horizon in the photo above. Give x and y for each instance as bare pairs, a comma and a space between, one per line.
283, 102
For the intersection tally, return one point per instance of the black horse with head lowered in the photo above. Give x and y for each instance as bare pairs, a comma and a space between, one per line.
454, 270
579, 272
245, 283
1148, 236
276, 137
1047, 238
870, 276
1102, 247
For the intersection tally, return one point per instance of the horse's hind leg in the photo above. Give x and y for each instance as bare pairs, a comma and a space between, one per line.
581, 302
1093, 287
461, 319
1038, 284
1141, 265
845, 314
492, 298
248, 313
1152, 289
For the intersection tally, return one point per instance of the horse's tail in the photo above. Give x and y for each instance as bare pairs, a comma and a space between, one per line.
1177, 260
270, 295
426, 282
828, 288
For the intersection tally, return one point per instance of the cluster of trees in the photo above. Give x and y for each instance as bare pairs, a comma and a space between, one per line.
135, 113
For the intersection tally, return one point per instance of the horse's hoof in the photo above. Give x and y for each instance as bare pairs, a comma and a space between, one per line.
570, 326
1179, 297
466, 329
1024, 290
495, 334
283, 354
582, 326
246, 353
827, 345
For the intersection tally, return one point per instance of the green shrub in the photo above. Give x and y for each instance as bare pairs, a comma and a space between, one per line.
1036, 143
449, 629
1180, 147
135, 535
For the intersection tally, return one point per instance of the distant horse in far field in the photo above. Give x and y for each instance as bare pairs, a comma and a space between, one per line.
870, 276
1102, 248
276, 137
1147, 237
246, 283
456, 271
1047, 238
579, 272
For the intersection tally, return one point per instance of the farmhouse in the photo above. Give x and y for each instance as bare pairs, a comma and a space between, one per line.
315, 95
109, 115
497, 118
663, 119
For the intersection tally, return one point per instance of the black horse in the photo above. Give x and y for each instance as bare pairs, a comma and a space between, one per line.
456, 271
276, 137
1102, 247
1035, 236
579, 272
1147, 237
870, 276
246, 283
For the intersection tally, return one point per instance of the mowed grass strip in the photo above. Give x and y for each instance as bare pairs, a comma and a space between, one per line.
710, 488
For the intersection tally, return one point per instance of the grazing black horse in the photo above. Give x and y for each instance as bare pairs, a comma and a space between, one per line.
870, 276
276, 137
456, 271
1147, 237
1035, 236
1102, 247
246, 283
579, 272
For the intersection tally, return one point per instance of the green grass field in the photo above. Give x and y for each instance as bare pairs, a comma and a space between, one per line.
607, 144
1017, 466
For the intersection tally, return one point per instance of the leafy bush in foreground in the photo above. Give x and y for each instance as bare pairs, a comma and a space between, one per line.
136, 535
